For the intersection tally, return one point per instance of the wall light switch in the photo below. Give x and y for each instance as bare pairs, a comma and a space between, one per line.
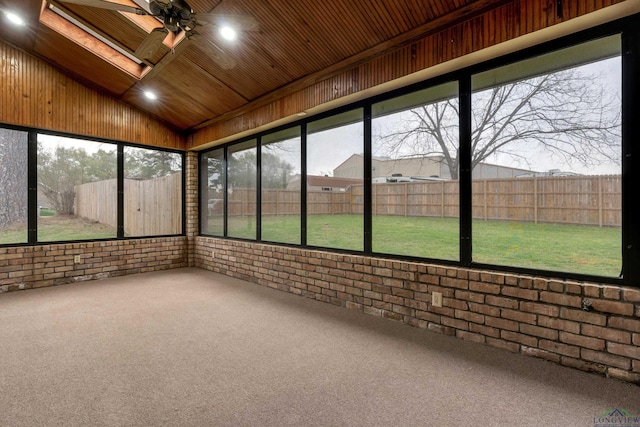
76, 259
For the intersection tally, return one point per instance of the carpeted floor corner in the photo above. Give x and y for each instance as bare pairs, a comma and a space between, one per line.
189, 347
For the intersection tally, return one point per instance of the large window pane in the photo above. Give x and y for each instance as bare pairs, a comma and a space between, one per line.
547, 161
414, 173
335, 173
152, 192
281, 167
241, 181
13, 186
212, 184
77, 189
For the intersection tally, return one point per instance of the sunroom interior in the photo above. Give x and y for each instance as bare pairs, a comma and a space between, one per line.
459, 170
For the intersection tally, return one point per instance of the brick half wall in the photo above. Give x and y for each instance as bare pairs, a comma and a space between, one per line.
539, 317
27, 267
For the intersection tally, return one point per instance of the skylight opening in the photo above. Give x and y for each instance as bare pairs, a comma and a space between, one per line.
85, 28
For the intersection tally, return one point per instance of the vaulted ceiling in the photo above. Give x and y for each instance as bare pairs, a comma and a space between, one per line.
202, 78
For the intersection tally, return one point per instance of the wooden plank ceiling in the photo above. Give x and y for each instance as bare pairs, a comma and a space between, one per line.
295, 40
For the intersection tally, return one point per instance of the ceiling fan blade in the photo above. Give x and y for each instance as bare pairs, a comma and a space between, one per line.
214, 52
151, 43
241, 22
107, 5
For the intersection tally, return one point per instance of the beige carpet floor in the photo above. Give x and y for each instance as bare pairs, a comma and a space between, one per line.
192, 348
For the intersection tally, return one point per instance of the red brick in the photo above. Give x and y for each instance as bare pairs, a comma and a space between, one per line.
454, 323
528, 294
486, 288
631, 295
583, 316
519, 338
550, 334
441, 329
484, 330
469, 316
431, 317
501, 323
606, 359
582, 341
542, 354
456, 304
625, 309
561, 299
538, 308
373, 311
518, 316
563, 349
623, 375
469, 296
484, 309
611, 292
469, 336
583, 365
452, 282
560, 324
607, 334
624, 350
501, 302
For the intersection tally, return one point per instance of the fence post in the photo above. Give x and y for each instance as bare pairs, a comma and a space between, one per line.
441, 199
535, 199
600, 207
406, 202
484, 197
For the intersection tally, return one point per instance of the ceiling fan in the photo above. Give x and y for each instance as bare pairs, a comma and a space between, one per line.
177, 16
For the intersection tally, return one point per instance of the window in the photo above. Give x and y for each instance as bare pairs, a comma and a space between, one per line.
241, 190
152, 192
546, 161
280, 180
76, 184
414, 172
77, 189
13, 186
522, 171
212, 185
335, 160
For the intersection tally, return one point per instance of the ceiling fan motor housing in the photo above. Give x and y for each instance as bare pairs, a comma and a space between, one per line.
176, 14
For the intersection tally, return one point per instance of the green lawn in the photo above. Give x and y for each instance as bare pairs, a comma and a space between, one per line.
568, 248
59, 228
554, 247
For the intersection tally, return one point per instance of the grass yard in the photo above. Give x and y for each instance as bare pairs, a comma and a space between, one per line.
554, 247
59, 228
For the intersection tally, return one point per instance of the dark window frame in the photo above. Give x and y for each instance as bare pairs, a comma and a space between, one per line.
32, 202
629, 29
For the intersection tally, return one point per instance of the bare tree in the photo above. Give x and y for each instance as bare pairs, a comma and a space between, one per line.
13, 177
566, 114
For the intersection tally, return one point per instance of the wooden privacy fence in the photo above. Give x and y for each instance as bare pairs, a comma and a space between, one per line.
586, 200
151, 206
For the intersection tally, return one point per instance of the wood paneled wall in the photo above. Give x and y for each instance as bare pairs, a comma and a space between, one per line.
34, 94
505, 22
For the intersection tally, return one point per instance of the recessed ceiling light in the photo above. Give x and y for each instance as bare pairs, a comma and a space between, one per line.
228, 33
150, 95
14, 19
